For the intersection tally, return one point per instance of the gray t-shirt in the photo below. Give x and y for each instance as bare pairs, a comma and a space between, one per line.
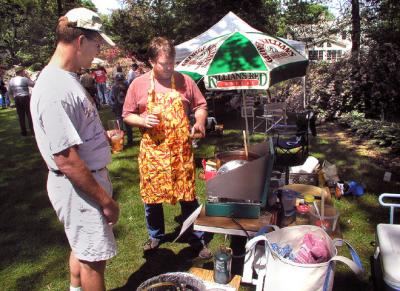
63, 117
131, 76
19, 86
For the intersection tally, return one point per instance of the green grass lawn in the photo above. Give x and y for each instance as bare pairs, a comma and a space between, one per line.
34, 250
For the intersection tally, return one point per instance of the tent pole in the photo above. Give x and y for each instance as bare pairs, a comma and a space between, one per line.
245, 116
304, 93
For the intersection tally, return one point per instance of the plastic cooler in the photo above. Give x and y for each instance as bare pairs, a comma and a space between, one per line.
387, 252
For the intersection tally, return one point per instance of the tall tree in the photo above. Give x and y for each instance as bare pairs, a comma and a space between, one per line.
356, 28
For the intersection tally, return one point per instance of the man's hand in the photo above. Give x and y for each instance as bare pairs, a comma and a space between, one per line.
151, 121
111, 133
111, 212
198, 130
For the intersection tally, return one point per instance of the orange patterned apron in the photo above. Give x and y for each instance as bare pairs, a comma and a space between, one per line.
166, 163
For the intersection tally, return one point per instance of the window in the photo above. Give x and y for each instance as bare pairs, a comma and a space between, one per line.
344, 35
328, 44
313, 55
329, 55
333, 55
320, 55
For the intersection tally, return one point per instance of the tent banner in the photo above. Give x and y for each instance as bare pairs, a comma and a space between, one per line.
237, 80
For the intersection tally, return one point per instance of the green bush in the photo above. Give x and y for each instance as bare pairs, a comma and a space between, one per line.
369, 85
381, 133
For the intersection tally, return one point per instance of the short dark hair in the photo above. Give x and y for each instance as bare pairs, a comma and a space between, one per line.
67, 31
160, 44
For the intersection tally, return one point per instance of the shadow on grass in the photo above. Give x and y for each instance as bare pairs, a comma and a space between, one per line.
27, 225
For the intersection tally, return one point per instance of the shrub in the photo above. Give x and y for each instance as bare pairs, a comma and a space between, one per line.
381, 133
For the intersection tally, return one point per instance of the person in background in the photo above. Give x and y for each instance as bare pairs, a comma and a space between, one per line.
132, 74
3, 90
118, 93
159, 103
89, 84
119, 74
76, 149
100, 76
18, 89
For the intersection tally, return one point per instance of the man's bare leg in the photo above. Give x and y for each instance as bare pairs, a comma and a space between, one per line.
75, 271
92, 275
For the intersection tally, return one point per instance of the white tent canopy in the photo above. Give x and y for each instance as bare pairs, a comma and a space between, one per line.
229, 23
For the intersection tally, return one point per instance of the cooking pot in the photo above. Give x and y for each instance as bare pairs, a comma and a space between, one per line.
225, 157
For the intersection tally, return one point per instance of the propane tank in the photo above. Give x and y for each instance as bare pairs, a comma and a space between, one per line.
223, 265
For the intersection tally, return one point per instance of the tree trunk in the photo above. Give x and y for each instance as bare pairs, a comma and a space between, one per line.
59, 8
356, 30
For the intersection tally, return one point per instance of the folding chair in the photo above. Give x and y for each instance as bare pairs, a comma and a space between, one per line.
291, 148
387, 251
273, 114
248, 109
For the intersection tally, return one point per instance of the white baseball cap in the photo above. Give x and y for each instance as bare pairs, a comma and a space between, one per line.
88, 19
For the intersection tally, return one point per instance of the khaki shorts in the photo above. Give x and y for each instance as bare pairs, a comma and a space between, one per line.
88, 233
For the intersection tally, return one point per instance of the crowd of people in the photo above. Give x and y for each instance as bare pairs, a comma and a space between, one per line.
62, 114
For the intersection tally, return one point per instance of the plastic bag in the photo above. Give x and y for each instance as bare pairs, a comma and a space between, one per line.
330, 172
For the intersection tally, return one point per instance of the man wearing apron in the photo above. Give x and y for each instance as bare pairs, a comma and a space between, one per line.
159, 103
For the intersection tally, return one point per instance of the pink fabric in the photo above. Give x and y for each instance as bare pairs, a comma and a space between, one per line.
313, 251
136, 97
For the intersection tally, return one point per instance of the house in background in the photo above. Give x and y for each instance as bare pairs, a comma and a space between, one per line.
330, 50
327, 41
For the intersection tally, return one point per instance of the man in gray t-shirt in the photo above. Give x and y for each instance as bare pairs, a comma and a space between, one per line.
18, 89
76, 149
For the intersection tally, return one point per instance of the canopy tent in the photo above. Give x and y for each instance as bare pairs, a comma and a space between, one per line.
243, 60
228, 24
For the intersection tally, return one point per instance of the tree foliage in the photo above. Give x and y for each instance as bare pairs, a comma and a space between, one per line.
371, 84
27, 29
181, 20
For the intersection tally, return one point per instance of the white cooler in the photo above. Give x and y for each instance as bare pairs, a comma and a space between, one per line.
387, 252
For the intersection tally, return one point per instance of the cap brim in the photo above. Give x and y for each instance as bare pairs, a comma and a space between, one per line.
107, 39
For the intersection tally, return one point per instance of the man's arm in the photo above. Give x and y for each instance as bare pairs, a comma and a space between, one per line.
74, 168
200, 115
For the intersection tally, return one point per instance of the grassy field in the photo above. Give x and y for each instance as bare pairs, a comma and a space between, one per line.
34, 250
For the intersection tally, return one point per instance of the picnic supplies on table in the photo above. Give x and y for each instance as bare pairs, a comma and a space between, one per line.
310, 165
273, 270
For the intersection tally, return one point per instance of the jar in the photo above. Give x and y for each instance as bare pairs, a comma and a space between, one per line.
302, 214
309, 199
